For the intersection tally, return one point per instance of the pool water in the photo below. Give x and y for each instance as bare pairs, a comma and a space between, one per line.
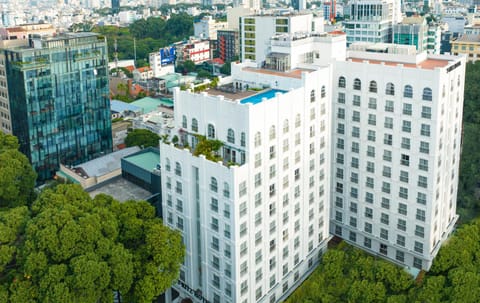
258, 97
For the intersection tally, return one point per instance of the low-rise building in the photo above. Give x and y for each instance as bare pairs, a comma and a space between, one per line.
468, 45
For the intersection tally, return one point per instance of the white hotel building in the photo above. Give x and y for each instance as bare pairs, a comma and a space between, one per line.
367, 142
396, 150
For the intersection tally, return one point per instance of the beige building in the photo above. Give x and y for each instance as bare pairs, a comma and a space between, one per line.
468, 45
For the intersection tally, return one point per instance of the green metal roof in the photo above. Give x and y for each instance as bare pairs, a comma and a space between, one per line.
146, 159
148, 104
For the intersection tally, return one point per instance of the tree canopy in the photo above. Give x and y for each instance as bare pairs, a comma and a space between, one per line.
17, 177
150, 35
72, 248
142, 137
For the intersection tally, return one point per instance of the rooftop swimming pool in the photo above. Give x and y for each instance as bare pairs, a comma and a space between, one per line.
259, 97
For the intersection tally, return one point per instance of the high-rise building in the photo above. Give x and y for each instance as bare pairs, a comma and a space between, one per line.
228, 47
330, 10
371, 136
256, 31
253, 214
412, 31
115, 6
58, 99
396, 149
299, 5
371, 20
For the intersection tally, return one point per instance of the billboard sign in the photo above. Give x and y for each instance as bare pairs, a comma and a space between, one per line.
167, 55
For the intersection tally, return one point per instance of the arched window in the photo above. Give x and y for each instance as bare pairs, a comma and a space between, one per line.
373, 87
427, 94
312, 96
211, 131
357, 84
194, 125
258, 139
341, 82
285, 126
242, 139
184, 121
323, 92
178, 169
297, 120
408, 91
272, 132
390, 89
231, 136
167, 164
226, 190
213, 184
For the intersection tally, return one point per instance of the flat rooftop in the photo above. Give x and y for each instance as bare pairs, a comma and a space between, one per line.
294, 73
121, 190
425, 64
147, 160
231, 93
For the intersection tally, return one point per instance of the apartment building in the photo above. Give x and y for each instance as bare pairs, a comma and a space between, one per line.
397, 135
372, 20
362, 143
254, 220
256, 31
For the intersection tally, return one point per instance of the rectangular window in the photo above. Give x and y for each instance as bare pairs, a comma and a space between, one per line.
406, 126
387, 139
355, 132
368, 212
372, 103
423, 165
387, 171
422, 181
384, 233
371, 151
426, 112
419, 231
341, 98
355, 147
368, 227
402, 225
424, 147
418, 247
353, 207
386, 187
371, 135
421, 198
401, 240
425, 130
404, 176
407, 109
356, 100
420, 216
385, 203
402, 209
356, 116
389, 106
387, 155
405, 143
388, 123
384, 218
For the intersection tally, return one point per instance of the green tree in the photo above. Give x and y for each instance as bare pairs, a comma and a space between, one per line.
17, 178
142, 137
78, 249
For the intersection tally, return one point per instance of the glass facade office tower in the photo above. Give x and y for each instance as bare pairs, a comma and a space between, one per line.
59, 99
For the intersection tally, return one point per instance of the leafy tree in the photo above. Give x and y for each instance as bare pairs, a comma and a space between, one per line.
17, 178
142, 137
78, 249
